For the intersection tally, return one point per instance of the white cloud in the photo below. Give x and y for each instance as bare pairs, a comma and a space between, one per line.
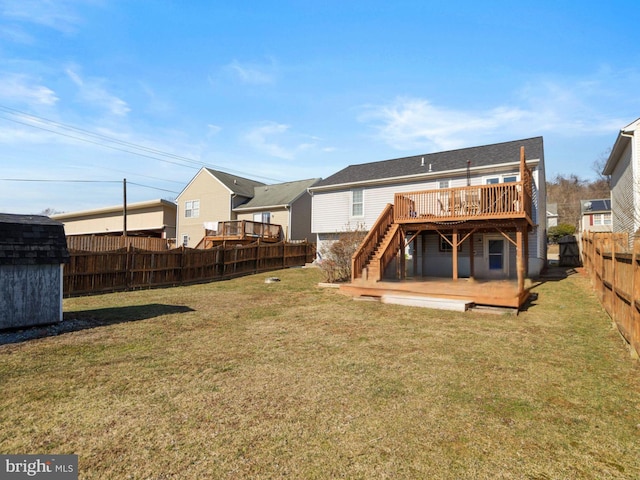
59, 15
92, 91
213, 130
410, 123
252, 73
261, 139
22, 88
563, 107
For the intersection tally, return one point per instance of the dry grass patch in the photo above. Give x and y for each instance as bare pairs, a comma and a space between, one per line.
245, 379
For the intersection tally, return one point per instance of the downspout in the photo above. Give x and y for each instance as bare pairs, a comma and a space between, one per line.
233, 196
287, 234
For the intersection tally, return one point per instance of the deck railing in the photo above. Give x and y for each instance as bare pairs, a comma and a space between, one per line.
371, 241
246, 229
481, 202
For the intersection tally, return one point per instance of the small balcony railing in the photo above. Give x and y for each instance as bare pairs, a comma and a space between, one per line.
481, 202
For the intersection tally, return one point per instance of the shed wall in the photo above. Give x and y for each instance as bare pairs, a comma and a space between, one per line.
31, 295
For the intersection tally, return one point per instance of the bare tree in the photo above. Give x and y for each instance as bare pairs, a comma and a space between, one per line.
49, 211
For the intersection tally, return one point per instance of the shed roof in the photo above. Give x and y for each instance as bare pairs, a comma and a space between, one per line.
410, 167
31, 240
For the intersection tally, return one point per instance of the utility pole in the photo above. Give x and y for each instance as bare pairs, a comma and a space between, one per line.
124, 207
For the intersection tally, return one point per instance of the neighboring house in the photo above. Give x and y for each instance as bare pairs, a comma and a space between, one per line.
552, 215
286, 204
33, 250
473, 212
210, 196
153, 218
596, 215
623, 167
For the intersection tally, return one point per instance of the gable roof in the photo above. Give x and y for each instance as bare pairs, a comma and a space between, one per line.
238, 185
595, 206
278, 195
622, 140
31, 240
235, 184
410, 168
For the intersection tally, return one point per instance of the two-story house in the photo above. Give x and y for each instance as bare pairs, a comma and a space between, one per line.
475, 212
214, 198
623, 166
210, 196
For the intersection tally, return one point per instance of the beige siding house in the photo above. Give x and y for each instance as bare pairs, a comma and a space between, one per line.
210, 196
286, 204
153, 218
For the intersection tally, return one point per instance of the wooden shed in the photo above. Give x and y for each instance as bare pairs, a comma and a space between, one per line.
33, 251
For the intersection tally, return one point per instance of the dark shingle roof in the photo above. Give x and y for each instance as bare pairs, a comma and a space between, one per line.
31, 240
240, 185
277, 195
597, 205
486, 155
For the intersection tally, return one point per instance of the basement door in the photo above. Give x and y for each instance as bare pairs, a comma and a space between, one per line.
496, 256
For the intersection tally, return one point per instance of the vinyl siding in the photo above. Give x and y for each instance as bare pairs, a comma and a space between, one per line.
331, 213
622, 194
279, 216
215, 206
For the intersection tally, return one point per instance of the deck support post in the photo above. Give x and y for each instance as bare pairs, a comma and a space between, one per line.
520, 268
471, 264
455, 253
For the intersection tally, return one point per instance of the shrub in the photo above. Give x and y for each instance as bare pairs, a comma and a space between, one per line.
556, 233
336, 258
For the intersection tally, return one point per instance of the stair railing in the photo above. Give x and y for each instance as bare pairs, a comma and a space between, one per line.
361, 256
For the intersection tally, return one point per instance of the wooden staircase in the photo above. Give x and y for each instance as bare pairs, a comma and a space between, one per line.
378, 248
387, 248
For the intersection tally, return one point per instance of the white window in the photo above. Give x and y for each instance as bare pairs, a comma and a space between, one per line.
508, 178
602, 219
357, 203
444, 184
185, 240
192, 209
264, 217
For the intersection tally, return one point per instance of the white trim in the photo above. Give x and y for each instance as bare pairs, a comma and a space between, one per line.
351, 203
505, 255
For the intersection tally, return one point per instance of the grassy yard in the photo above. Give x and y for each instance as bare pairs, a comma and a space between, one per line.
243, 379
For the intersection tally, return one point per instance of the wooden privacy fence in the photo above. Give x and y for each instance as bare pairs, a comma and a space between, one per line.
615, 275
131, 268
105, 243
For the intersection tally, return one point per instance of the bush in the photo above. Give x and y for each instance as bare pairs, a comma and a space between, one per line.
336, 258
556, 233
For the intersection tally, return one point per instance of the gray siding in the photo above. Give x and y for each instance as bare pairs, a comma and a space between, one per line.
31, 295
622, 194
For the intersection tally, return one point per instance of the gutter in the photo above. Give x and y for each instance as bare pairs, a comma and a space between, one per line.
416, 177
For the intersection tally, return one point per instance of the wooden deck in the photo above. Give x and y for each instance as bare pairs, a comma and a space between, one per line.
241, 232
498, 293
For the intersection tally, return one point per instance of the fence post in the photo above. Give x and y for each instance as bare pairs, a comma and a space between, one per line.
257, 267
128, 266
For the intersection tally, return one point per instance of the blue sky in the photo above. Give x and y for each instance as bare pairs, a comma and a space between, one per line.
150, 90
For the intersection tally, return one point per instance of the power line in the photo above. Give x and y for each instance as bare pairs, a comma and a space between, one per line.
98, 136
82, 181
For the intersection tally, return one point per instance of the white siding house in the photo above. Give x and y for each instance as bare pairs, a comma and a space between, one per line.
623, 166
354, 198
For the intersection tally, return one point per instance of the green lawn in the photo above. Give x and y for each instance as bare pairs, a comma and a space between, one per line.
242, 379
